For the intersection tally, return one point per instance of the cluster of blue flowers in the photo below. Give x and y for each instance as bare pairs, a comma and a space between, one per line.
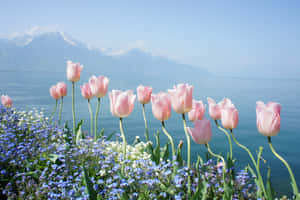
37, 162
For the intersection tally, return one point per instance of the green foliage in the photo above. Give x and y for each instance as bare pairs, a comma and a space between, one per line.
165, 152
269, 190
155, 156
89, 185
78, 132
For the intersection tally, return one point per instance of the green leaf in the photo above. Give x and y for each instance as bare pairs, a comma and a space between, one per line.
68, 133
89, 185
269, 189
100, 134
199, 161
165, 153
179, 158
110, 135
204, 190
156, 152
259, 191
53, 157
78, 132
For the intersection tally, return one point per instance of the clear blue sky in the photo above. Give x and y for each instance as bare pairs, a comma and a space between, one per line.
228, 37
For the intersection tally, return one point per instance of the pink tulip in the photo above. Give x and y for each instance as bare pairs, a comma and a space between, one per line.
86, 91
201, 134
276, 107
198, 111
225, 103
268, 118
54, 92
214, 109
144, 94
121, 103
161, 106
99, 85
61, 88
73, 71
182, 98
230, 117
6, 101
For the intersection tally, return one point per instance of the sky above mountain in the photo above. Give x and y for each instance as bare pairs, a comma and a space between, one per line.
249, 38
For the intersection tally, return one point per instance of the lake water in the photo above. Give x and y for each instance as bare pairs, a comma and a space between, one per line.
31, 89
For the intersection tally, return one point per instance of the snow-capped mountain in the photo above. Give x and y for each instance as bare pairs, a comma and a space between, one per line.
44, 50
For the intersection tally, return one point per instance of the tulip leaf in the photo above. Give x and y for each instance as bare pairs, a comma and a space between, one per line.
100, 134
110, 135
259, 191
89, 185
68, 134
78, 132
165, 153
198, 163
269, 189
155, 156
179, 158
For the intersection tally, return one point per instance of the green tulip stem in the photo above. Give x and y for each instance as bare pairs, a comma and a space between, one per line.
220, 157
294, 184
91, 115
146, 127
124, 144
53, 110
60, 109
172, 145
254, 163
73, 107
96, 118
188, 153
228, 136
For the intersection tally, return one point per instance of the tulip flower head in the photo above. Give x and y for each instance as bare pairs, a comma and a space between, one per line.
121, 103
144, 94
182, 98
73, 71
215, 109
268, 118
161, 106
6, 101
198, 111
86, 91
54, 92
61, 88
229, 117
99, 85
202, 133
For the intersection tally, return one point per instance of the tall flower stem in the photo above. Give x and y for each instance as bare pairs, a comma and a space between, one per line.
228, 136
294, 184
124, 144
172, 145
60, 109
96, 118
146, 127
53, 110
188, 153
91, 115
254, 163
220, 157
73, 107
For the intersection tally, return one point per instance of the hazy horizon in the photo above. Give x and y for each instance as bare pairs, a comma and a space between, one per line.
249, 38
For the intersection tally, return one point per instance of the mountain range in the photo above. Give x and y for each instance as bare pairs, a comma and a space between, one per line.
49, 51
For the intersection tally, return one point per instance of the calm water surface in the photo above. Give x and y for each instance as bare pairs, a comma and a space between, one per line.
31, 89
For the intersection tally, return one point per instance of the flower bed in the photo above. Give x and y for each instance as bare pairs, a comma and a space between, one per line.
37, 163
